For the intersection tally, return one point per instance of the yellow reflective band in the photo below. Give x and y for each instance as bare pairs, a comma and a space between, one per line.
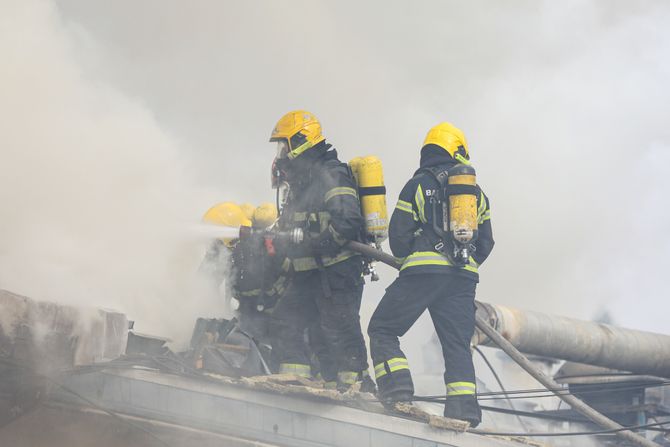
309, 263
347, 377
424, 258
337, 237
298, 369
286, 264
340, 191
471, 266
433, 258
324, 220
420, 203
482, 205
300, 216
278, 287
254, 292
462, 159
394, 364
483, 213
299, 150
460, 388
404, 206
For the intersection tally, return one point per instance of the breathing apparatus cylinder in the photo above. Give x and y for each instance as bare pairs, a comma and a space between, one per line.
461, 214
369, 175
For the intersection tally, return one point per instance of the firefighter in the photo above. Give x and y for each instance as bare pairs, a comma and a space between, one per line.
214, 264
430, 279
321, 202
259, 278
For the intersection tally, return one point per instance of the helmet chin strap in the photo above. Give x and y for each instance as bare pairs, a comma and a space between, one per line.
461, 159
299, 150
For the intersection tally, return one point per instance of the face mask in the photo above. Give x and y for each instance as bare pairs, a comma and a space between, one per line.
282, 149
281, 168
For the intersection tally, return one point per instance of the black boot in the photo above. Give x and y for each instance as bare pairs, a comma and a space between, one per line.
368, 385
390, 399
463, 407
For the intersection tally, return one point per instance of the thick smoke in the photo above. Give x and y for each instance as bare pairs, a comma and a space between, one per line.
565, 106
561, 104
94, 192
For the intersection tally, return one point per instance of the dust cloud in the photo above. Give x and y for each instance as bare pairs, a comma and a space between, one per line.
123, 116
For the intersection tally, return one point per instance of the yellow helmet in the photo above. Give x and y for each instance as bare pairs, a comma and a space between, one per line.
248, 210
450, 138
227, 214
296, 132
265, 215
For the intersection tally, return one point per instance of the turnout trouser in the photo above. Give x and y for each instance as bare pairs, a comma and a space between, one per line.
338, 330
450, 300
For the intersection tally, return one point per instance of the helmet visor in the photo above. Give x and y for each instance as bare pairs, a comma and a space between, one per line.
282, 149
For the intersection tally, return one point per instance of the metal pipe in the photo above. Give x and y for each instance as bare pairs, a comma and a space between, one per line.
578, 341
551, 384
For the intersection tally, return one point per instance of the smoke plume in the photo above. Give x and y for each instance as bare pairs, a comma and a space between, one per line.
116, 116
95, 193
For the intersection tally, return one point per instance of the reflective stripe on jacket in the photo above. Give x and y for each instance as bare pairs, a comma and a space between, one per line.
323, 200
411, 233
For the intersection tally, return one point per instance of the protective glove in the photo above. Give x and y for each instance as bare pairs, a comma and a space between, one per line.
324, 244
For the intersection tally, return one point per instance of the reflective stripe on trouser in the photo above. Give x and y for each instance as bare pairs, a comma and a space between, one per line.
328, 384
348, 377
295, 368
334, 323
390, 366
459, 388
433, 258
449, 298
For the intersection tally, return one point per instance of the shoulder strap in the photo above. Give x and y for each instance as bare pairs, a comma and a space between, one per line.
439, 174
434, 232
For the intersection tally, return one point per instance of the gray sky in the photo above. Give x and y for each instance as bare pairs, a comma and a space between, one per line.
565, 106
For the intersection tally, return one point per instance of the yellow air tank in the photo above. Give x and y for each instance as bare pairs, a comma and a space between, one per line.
355, 164
369, 176
463, 203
